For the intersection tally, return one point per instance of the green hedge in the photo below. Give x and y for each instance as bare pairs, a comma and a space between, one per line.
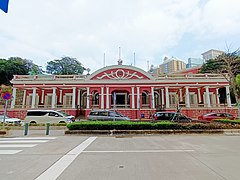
128, 125
227, 121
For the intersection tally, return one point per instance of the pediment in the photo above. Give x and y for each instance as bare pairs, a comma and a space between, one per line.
120, 73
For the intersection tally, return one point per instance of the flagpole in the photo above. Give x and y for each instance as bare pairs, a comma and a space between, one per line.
5, 113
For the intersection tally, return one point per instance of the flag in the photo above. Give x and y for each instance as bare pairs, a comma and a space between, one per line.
4, 5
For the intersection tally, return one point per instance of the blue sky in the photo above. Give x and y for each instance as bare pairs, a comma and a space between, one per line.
86, 29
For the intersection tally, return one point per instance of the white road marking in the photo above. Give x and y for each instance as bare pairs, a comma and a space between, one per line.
3, 139
9, 151
22, 141
16, 145
143, 151
57, 168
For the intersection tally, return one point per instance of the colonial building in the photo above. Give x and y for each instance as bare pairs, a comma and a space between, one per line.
127, 89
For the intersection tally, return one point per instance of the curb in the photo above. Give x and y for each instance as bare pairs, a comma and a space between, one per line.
38, 127
147, 132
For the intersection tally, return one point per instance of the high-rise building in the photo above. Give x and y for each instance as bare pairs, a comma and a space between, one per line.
171, 65
211, 54
193, 62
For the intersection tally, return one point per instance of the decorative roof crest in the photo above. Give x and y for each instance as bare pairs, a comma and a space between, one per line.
120, 74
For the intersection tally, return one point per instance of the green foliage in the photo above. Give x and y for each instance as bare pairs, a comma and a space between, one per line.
210, 67
227, 121
129, 125
65, 66
227, 64
238, 83
16, 66
118, 125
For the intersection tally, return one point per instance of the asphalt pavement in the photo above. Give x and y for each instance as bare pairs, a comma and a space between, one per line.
61, 157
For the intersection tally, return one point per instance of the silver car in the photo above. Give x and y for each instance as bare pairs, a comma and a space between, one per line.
106, 115
9, 120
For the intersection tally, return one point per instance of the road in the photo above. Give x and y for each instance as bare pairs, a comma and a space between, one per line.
184, 157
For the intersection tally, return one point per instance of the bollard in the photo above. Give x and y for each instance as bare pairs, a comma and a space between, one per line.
47, 128
26, 129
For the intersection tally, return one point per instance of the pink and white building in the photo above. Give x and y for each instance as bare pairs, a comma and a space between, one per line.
136, 92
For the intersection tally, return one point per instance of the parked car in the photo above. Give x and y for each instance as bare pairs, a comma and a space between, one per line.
48, 116
171, 116
9, 120
106, 115
212, 116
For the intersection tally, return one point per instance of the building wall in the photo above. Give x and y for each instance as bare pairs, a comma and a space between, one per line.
171, 65
142, 93
211, 54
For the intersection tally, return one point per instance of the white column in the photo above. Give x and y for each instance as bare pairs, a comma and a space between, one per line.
13, 97
74, 98
167, 97
217, 97
78, 100
138, 97
24, 98
180, 94
229, 104
107, 97
133, 100
153, 100
88, 96
199, 96
162, 96
207, 96
34, 97
54, 97
102, 97
60, 98
187, 102
42, 97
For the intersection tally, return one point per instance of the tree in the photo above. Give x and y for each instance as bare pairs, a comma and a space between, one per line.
15, 66
227, 64
238, 83
65, 65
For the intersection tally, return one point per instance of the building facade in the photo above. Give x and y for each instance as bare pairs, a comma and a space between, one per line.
193, 62
211, 54
171, 65
136, 92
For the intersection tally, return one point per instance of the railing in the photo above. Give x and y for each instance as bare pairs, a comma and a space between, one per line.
120, 106
82, 77
47, 77
144, 106
190, 76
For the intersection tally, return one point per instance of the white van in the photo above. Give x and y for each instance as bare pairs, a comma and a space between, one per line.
48, 116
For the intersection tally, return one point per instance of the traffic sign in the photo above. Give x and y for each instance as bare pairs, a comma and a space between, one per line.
6, 96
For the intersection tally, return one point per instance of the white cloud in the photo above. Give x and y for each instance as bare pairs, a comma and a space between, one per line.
85, 29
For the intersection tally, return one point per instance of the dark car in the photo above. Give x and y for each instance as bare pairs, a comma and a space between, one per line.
212, 116
171, 116
106, 115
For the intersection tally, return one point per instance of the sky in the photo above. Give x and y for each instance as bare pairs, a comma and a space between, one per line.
42, 31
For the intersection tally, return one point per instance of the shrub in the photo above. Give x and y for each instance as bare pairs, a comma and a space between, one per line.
166, 125
129, 125
121, 125
227, 121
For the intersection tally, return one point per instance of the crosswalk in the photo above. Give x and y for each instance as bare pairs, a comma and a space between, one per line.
15, 145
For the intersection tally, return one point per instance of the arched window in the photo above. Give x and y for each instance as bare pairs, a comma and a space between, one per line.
84, 100
95, 99
157, 99
145, 99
